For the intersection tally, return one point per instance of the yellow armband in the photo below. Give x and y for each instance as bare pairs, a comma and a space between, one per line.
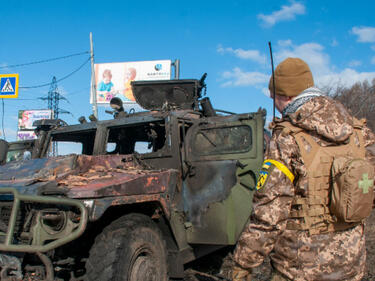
265, 170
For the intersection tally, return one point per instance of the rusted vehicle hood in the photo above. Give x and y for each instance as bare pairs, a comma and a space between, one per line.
81, 176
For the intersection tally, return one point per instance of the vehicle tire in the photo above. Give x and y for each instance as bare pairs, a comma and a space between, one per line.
131, 248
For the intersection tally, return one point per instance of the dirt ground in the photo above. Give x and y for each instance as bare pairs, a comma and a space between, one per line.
210, 264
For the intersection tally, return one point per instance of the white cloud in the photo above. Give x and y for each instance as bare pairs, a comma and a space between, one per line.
325, 74
312, 53
237, 77
355, 63
345, 78
323, 71
253, 55
286, 13
284, 43
366, 34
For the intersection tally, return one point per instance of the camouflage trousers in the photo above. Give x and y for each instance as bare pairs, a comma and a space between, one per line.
276, 276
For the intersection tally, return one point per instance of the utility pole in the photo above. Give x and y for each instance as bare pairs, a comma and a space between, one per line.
176, 65
93, 90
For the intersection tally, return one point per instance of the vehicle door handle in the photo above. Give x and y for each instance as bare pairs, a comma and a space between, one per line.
239, 164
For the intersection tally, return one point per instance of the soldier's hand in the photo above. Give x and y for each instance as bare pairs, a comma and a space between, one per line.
240, 274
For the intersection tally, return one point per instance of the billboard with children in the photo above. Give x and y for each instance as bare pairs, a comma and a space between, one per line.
113, 79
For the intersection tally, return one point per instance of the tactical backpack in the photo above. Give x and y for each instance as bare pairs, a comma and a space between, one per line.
340, 183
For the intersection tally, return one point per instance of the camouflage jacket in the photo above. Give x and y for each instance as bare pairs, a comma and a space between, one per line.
296, 254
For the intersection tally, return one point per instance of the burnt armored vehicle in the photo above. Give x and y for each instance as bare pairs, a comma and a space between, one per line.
147, 193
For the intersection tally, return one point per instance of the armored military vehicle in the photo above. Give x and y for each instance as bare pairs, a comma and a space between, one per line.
147, 193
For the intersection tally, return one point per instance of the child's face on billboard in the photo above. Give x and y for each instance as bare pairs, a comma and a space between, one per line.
130, 74
107, 79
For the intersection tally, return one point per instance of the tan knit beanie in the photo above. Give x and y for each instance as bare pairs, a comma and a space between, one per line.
292, 76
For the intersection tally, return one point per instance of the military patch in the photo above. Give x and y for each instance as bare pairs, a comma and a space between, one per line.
266, 165
262, 179
263, 174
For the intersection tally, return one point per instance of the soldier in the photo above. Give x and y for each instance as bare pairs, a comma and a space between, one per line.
292, 221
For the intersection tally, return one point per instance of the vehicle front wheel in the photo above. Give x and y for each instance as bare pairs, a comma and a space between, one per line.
131, 248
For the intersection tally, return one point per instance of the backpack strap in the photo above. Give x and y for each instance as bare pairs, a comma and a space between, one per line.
357, 137
307, 145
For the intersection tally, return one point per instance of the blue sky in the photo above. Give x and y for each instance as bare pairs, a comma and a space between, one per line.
226, 39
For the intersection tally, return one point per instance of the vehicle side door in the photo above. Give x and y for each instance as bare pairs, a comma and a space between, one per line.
223, 160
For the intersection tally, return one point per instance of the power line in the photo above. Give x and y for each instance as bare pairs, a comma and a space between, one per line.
38, 99
59, 80
77, 91
69, 93
43, 61
17, 99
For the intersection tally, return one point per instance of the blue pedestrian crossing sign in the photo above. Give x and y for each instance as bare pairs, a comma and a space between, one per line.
9, 85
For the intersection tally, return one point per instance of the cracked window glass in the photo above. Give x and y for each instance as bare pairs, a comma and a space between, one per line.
223, 140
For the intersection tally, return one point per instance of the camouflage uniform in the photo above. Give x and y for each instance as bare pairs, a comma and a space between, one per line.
295, 254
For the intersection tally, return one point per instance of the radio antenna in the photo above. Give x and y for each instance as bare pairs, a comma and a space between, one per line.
273, 81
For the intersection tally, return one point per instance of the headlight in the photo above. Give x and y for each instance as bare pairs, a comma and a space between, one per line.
53, 221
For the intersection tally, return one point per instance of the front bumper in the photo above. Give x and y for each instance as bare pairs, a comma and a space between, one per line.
41, 238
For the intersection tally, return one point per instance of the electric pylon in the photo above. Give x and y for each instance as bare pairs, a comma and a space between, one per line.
53, 98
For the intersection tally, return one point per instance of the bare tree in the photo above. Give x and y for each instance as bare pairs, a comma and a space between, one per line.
359, 99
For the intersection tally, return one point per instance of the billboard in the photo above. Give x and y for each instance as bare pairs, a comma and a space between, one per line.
26, 118
113, 79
